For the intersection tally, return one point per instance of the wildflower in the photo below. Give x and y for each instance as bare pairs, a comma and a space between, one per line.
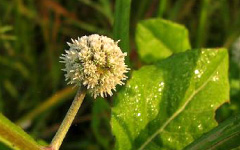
95, 62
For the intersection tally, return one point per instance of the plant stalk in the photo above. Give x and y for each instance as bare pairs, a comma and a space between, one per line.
63, 129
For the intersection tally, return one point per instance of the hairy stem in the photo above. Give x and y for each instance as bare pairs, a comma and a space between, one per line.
63, 129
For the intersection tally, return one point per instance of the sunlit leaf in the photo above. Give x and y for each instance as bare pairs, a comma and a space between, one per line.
157, 39
168, 105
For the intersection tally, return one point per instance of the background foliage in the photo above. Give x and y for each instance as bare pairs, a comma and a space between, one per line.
33, 34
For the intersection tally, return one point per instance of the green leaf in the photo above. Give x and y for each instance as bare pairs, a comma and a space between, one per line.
15, 137
225, 137
121, 23
157, 39
168, 105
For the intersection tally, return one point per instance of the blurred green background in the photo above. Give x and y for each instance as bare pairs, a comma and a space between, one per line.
33, 34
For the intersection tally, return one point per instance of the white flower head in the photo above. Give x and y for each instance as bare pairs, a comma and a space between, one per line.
95, 62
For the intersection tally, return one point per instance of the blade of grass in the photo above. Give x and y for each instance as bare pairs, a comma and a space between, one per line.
121, 24
52, 101
201, 33
141, 9
86, 26
5, 29
15, 137
106, 4
225, 136
98, 7
162, 7
15, 65
173, 15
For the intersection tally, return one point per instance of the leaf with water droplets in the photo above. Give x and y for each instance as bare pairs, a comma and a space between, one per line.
157, 39
168, 105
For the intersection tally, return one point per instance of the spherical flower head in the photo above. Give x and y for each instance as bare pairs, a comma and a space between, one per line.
95, 62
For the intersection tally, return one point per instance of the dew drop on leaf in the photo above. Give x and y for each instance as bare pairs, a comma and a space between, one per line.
139, 114
200, 127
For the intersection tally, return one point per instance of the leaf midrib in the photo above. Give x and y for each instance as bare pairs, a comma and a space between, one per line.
178, 111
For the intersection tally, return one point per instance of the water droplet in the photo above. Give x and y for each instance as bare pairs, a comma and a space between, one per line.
161, 86
211, 106
179, 127
139, 114
200, 126
194, 118
169, 139
216, 77
196, 71
148, 99
161, 83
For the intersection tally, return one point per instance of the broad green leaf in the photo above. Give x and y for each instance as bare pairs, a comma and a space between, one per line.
157, 39
121, 23
15, 137
226, 136
168, 105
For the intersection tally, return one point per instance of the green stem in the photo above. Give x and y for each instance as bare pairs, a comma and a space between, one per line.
62, 131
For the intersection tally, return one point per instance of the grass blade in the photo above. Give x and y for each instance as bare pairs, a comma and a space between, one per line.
52, 101
201, 35
162, 8
225, 136
121, 23
15, 137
